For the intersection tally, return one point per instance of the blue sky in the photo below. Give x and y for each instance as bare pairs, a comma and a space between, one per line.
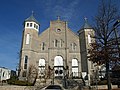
14, 12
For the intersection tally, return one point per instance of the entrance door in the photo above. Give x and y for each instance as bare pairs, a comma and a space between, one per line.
41, 66
74, 67
58, 66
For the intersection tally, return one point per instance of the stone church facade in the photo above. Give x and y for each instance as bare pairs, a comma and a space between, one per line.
55, 52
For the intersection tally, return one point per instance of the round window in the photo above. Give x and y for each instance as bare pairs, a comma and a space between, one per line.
58, 30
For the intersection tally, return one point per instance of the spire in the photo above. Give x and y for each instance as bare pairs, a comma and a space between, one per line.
86, 24
85, 19
58, 17
32, 18
33, 13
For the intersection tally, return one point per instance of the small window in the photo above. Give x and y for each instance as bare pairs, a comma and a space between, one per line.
26, 58
43, 46
3, 74
30, 24
55, 43
61, 42
34, 25
27, 24
73, 46
24, 73
25, 62
25, 66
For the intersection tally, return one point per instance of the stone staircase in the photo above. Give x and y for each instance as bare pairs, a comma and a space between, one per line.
71, 83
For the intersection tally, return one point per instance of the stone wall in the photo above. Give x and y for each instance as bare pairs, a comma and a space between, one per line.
16, 88
34, 88
26, 88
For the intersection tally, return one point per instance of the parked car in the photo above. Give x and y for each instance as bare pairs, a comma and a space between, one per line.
54, 87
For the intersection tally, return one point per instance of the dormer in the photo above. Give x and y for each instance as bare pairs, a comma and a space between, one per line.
31, 23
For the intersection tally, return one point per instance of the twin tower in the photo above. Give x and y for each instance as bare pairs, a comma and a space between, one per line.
55, 52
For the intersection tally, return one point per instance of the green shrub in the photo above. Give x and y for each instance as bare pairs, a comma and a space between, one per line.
10, 81
22, 83
18, 82
104, 82
14, 77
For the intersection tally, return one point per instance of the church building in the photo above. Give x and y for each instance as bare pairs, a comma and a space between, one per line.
57, 51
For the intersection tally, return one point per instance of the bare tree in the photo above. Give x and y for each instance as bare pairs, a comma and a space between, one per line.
104, 50
32, 74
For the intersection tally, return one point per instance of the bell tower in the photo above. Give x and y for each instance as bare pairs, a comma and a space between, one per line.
86, 34
29, 45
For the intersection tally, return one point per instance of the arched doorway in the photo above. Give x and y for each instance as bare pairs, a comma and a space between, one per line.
74, 67
58, 66
41, 68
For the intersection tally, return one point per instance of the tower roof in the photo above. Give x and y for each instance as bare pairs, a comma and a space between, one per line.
32, 18
86, 25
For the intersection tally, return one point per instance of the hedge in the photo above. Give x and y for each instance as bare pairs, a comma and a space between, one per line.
18, 82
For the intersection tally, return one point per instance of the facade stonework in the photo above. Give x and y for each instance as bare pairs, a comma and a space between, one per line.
57, 51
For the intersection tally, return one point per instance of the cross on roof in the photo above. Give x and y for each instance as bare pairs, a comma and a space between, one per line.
85, 19
58, 17
33, 13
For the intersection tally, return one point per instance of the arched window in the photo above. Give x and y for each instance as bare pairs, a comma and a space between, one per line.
31, 24
25, 62
42, 62
41, 67
58, 66
89, 38
43, 46
27, 24
73, 45
24, 73
3, 74
28, 38
74, 67
55, 43
36, 26
61, 42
